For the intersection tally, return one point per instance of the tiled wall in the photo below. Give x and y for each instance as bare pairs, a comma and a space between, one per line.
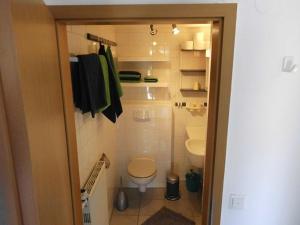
145, 136
94, 135
135, 40
98, 135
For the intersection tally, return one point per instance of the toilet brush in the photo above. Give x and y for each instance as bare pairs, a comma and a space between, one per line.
122, 200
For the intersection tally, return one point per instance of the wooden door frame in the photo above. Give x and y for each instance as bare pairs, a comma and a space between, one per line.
222, 63
10, 210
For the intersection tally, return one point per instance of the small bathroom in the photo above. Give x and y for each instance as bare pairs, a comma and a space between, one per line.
141, 108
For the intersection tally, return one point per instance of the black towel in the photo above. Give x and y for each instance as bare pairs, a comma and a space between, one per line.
79, 86
130, 72
76, 84
115, 109
91, 83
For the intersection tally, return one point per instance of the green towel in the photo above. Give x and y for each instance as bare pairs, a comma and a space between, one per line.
104, 67
150, 79
111, 62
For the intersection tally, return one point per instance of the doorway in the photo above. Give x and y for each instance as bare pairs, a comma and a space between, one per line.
219, 84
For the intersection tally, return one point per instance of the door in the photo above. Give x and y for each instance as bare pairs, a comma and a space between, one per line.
207, 203
9, 204
32, 92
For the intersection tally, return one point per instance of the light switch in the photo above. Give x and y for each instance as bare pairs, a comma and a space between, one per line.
237, 201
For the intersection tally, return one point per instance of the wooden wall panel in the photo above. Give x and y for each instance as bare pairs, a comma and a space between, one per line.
15, 115
9, 200
69, 121
33, 98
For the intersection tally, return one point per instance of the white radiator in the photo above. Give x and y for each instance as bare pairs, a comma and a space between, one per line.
95, 207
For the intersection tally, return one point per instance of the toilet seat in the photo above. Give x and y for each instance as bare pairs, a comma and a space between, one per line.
142, 167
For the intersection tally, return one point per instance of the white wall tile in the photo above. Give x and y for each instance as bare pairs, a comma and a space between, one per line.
134, 40
94, 135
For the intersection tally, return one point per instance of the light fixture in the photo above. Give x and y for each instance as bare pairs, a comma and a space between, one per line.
152, 30
175, 29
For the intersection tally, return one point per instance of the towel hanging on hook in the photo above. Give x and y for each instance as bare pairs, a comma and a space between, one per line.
115, 109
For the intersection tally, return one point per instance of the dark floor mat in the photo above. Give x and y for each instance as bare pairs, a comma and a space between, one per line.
166, 216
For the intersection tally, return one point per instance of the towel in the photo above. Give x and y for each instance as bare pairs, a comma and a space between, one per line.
129, 72
79, 88
75, 76
92, 84
113, 68
104, 67
150, 79
114, 110
130, 77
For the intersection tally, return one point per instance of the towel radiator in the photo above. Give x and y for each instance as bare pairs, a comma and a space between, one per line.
94, 198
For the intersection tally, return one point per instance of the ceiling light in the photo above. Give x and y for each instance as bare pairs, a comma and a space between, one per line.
152, 30
175, 29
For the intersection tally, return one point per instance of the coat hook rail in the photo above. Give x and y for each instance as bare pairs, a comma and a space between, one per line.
92, 37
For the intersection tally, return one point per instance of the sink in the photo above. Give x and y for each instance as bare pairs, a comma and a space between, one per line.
195, 132
196, 151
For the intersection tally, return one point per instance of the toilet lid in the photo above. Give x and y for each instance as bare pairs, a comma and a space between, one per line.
141, 167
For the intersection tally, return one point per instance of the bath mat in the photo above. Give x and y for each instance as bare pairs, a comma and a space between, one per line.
166, 216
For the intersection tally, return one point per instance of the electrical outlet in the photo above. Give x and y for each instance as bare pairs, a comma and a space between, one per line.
236, 201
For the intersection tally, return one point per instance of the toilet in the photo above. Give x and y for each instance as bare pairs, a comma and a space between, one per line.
142, 171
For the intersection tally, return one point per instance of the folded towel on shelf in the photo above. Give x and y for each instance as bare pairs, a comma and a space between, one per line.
130, 77
130, 72
150, 79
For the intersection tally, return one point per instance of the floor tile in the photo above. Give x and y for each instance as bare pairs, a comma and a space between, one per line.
144, 205
196, 207
132, 210
133, 193
123, 220
149, 207
182, 206
154, 193
142, 219
183, 190
198, 220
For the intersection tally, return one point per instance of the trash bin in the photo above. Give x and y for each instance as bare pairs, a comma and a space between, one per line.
193, 181
172, 192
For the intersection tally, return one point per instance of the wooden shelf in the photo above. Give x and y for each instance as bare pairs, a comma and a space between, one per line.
192, 70
145, 84
192, 61
192, 90
143, 59
192, 50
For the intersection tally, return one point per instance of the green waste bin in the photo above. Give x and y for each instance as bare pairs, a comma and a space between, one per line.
193, 181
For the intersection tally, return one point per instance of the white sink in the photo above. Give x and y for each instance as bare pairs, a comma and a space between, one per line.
196, 152
195, 132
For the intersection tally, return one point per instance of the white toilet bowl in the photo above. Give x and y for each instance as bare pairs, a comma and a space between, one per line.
141, 172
